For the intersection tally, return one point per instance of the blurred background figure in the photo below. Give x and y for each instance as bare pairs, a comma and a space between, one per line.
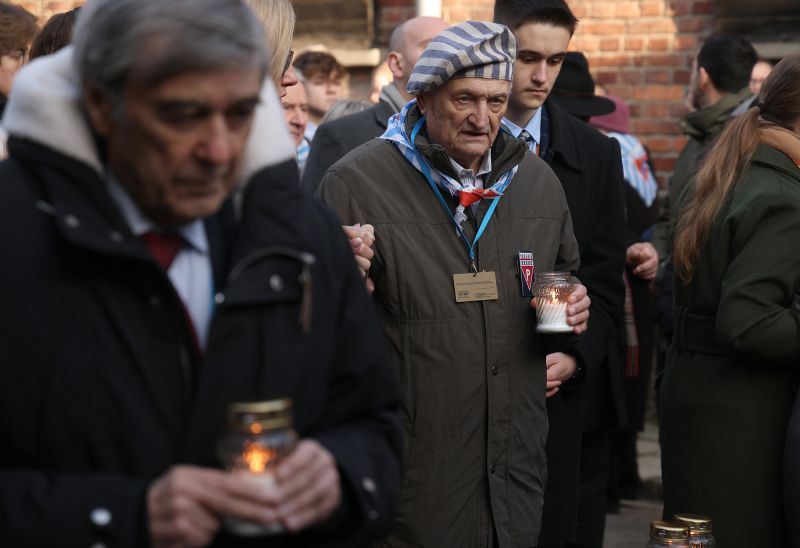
279, 18
17, 30
345, 107
56, 34
641, 206
321, 75
381, 76
760, 72
295, 109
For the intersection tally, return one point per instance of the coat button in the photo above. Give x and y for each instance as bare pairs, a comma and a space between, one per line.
101, 517
276, 283
369, 485
494, 369
373, 515
154, 301
71, 221
115, 236
492, 468
219, 298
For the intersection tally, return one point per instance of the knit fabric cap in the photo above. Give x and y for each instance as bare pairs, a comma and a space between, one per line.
469, 50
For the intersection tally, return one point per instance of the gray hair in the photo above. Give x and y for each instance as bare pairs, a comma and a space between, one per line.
147, 41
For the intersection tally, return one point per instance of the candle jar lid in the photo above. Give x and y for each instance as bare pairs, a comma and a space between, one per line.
255, 417
553, 284
696, 523
669, 530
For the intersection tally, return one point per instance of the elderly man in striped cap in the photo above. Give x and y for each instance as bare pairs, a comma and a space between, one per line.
463, 215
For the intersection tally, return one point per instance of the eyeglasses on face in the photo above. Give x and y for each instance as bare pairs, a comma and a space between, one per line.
288, 61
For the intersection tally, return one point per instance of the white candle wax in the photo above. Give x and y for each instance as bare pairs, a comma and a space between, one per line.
552, 317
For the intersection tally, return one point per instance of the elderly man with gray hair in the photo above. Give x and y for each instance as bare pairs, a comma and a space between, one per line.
143, 300
463, 213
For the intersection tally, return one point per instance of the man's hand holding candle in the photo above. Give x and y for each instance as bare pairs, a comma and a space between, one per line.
577, 309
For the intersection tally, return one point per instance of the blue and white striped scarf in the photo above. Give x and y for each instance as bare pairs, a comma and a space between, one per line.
635, 167
396, 133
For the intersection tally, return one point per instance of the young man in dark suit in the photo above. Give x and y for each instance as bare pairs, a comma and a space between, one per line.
589, 168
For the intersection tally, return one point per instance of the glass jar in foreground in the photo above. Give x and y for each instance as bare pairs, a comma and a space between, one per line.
699, 530
668, 534
551, 291
259, 436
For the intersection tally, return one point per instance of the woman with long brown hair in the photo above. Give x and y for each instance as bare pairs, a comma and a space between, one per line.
733, 371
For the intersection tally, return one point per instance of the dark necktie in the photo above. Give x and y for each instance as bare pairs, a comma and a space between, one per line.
163, 246
529, 140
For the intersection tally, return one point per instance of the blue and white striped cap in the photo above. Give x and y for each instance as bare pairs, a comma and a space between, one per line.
470, 50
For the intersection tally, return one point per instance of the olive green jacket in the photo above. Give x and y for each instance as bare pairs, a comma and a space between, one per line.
726, 409
472, 374
702, 127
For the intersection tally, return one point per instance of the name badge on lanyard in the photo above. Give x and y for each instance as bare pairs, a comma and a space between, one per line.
480, 286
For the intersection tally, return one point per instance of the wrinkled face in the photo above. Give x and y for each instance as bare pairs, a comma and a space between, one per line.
541, 48
176, 147
323, 91
295, 109
760, 72
464, 116
10, 63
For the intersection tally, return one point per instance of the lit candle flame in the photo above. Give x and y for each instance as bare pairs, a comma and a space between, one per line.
553, 296
257, 456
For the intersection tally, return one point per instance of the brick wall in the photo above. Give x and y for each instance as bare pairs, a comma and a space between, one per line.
640, 50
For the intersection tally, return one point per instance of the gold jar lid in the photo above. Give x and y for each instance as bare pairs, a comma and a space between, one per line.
697, 523
255, 417
669, 530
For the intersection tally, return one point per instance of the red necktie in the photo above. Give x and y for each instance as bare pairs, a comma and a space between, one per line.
163, 246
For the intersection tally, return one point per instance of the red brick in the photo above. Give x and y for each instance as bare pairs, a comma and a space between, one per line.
607, 77
658, 44
603, 28
627, 9
678, 8
636, 109
660, 144
694, 24
659, 92
651, 26
580, 11
651, 8
602, 10
663, 61
612, 61
678, 110
585, 44
658, 77
650, 126
682, 76
656, 110
609, 44
634, 44
685, 42
703, 7
632, 77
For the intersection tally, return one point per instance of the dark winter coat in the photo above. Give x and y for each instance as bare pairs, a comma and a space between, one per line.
733, 370
589, 167
101, 392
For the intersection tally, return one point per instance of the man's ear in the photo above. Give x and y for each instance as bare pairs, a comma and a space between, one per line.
395, 63
422, 100
99, 109
703, 79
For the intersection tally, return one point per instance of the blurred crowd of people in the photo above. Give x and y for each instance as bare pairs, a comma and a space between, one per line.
195, 215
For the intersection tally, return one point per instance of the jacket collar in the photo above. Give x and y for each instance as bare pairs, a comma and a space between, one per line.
561, 140
706, 122
506, 151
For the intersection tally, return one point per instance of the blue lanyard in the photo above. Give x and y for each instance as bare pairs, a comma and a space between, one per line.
427, 172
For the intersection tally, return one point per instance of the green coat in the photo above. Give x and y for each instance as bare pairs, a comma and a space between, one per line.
732, 373
472, 374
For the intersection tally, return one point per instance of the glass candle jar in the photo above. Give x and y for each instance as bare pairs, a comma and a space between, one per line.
699, 530
668, 534
259, 436
551, 291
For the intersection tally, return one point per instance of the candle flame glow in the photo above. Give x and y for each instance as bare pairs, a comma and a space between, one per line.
553, 296
257, 456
